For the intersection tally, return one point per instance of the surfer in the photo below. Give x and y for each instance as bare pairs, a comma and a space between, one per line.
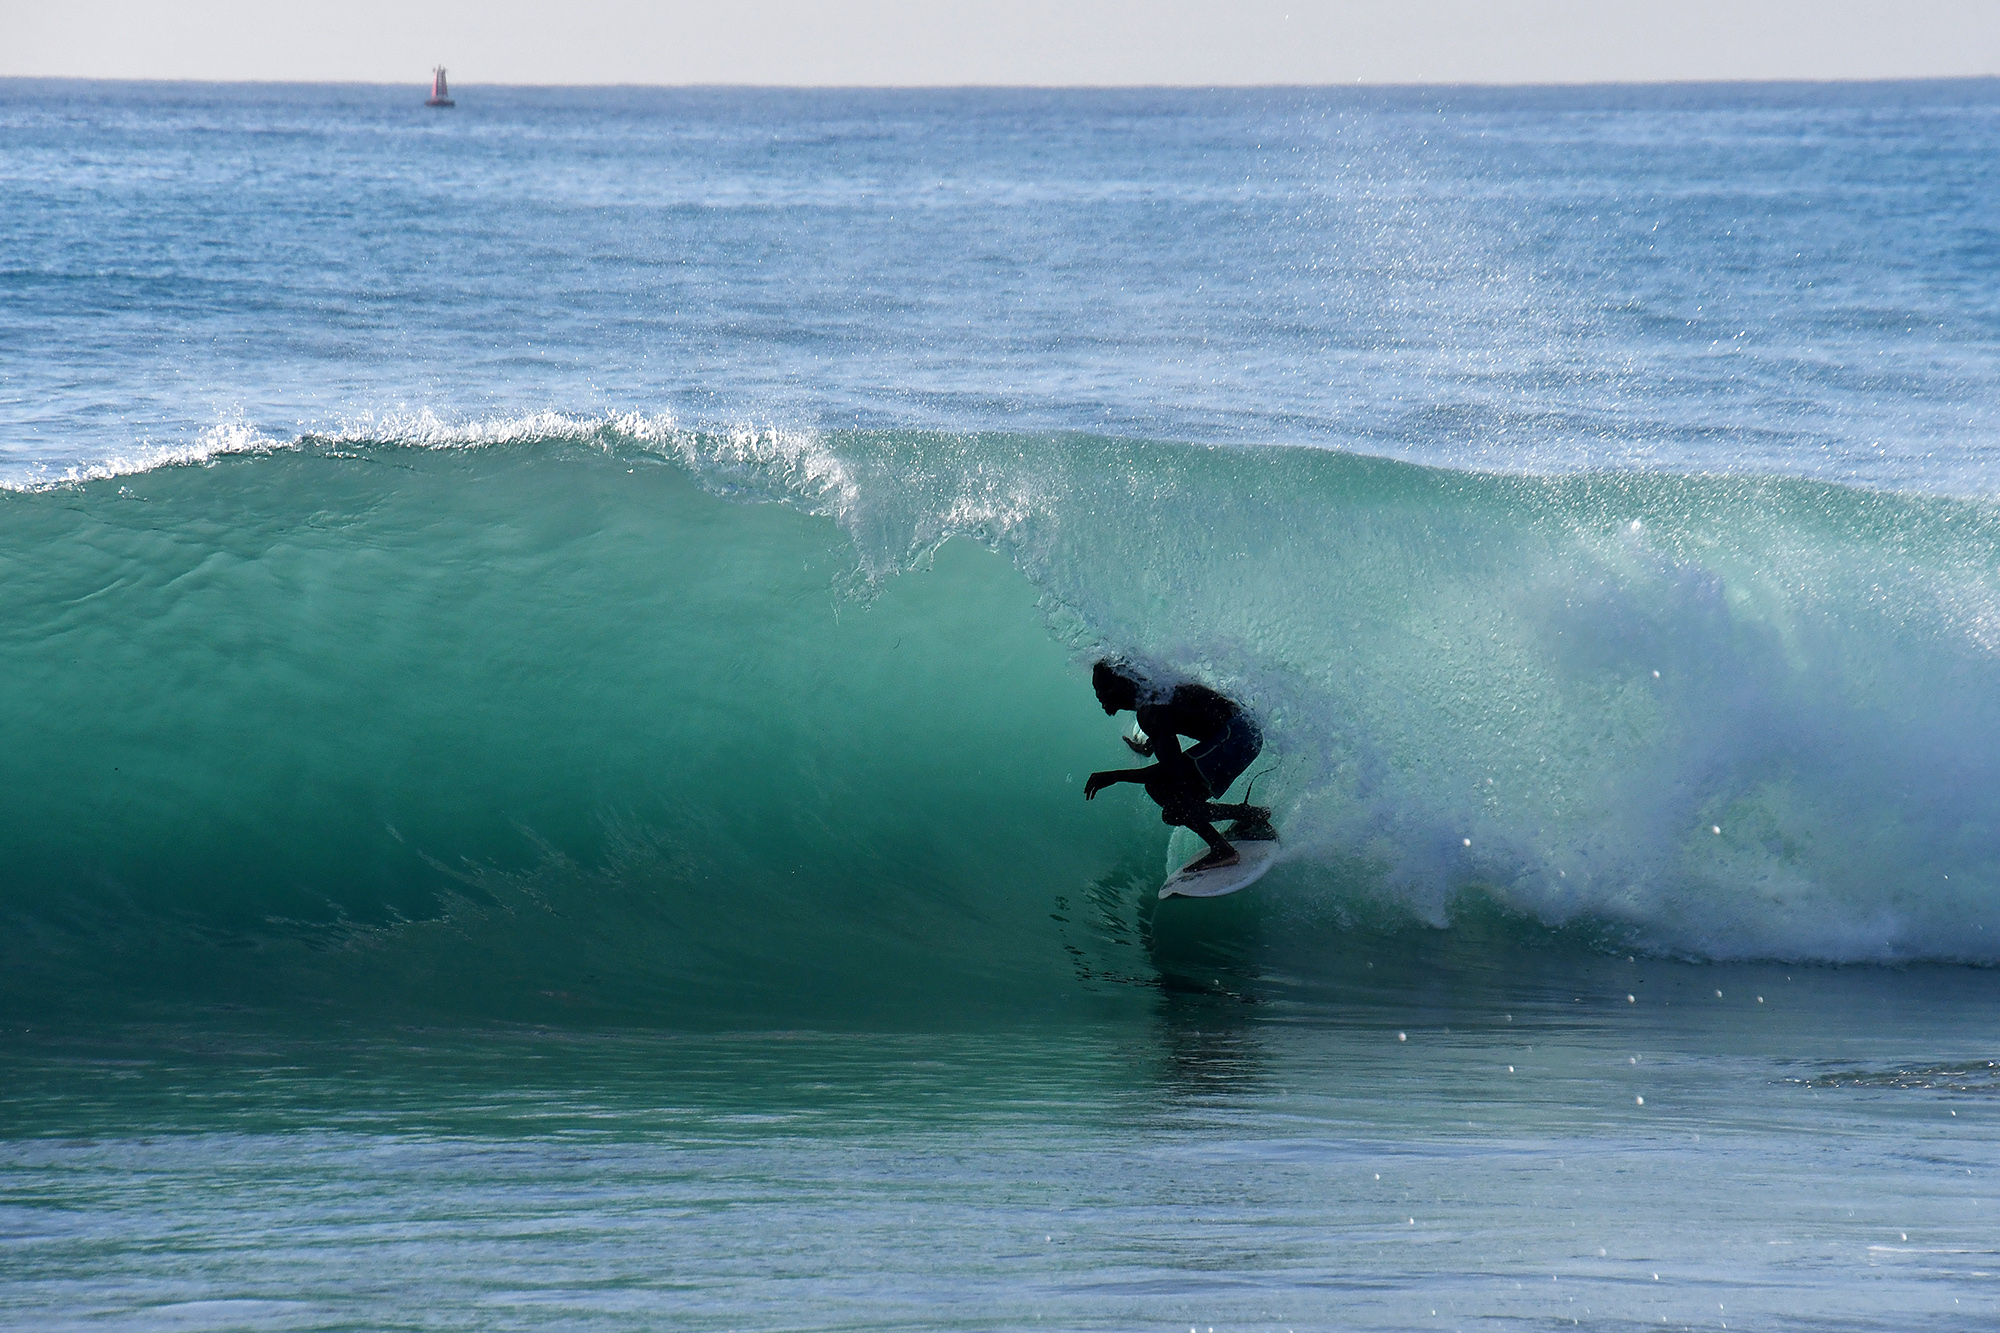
1183, 782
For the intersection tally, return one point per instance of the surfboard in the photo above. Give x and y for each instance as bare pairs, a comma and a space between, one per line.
1257, 855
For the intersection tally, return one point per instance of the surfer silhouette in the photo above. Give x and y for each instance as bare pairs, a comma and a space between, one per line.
1184, 783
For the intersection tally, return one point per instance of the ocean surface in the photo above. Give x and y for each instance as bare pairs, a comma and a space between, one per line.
544, 704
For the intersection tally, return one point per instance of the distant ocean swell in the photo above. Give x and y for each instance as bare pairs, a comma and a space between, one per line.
551, 712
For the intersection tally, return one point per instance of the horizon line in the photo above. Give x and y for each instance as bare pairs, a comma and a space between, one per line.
1791, 81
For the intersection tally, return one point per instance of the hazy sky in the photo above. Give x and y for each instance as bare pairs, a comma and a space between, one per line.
1001, 41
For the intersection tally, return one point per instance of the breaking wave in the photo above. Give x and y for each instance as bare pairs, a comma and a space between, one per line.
616, 715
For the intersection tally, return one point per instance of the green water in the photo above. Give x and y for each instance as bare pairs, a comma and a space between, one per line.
1444, 1141
624, 878
543, 701
612, 722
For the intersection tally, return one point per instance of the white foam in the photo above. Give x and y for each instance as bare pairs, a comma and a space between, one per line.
222, 439
794, 463
425, 429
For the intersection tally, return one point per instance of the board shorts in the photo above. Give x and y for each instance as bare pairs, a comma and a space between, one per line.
1221, 759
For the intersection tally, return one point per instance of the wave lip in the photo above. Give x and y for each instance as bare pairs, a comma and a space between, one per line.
218, 441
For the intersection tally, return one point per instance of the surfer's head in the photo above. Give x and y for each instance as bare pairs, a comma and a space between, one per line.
1116, 685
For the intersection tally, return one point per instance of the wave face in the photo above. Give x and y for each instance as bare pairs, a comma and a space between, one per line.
614, 717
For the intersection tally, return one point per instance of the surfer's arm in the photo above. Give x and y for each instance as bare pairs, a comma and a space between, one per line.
1110, 777
1158, 725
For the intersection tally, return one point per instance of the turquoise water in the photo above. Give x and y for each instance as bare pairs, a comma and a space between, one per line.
1400, 1155
549, 650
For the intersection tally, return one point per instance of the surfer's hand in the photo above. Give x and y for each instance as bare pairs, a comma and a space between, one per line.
1139, 747
1098, 782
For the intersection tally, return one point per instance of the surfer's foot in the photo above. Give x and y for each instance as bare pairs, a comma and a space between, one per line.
1215, 860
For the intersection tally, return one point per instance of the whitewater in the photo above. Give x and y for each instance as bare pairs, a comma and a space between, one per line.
547, 654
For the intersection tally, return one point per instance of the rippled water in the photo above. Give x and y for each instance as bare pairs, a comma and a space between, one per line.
544, 647
1406, 1156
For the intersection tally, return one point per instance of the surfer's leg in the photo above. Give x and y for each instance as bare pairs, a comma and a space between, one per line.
1179, 794
1248, 823
1220, 853
1222, 759
1184, 804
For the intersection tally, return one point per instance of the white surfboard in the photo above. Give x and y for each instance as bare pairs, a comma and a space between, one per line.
1256, 858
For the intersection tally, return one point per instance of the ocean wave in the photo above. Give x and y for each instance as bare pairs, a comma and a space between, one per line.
542, 698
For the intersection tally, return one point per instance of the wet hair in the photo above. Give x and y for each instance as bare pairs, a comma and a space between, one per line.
1116, 682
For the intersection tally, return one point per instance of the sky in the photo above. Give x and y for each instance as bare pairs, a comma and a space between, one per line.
1011, 42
